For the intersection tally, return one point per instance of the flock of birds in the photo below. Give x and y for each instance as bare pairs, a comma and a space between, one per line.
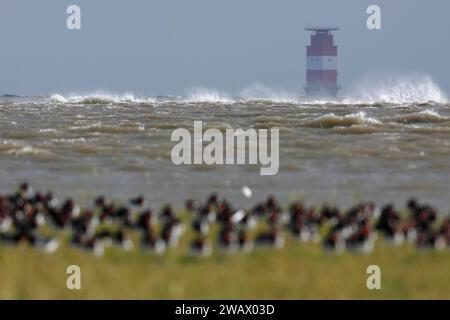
24, 214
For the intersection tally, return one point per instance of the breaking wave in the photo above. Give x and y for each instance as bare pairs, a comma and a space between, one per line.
373, 90
331, 120
201, 95
398, 90
18, 150
100, 98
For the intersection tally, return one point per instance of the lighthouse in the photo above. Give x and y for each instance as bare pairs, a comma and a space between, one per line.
321, 64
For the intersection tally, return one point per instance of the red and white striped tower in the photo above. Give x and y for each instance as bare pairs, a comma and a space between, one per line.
321, 73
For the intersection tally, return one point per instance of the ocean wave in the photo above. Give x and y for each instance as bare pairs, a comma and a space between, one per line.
331, 120
57, 98
51, 130
425, 116
413, 89
428, 130
375, 91
27, 151
69, 140
19, 149
356, 129
101, 99
200, 95
259, 93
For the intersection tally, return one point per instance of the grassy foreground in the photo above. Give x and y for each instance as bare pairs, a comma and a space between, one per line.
299, 271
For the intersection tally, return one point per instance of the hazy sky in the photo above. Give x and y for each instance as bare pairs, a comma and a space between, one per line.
169, 46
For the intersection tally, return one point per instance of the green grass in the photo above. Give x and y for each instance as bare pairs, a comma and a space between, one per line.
298, 271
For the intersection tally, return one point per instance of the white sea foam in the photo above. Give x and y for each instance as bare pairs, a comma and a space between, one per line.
47, 130
57, 98
202, 95
100, 98
28, 150
371, 90
397, 90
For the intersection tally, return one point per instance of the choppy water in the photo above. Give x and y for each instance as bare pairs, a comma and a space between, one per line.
340, 152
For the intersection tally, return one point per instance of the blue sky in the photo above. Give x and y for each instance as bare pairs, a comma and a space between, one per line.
169, 46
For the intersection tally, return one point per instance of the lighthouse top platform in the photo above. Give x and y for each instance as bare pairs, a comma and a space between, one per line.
322, 29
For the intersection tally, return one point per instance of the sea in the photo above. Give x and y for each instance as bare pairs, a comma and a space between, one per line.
385, 145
